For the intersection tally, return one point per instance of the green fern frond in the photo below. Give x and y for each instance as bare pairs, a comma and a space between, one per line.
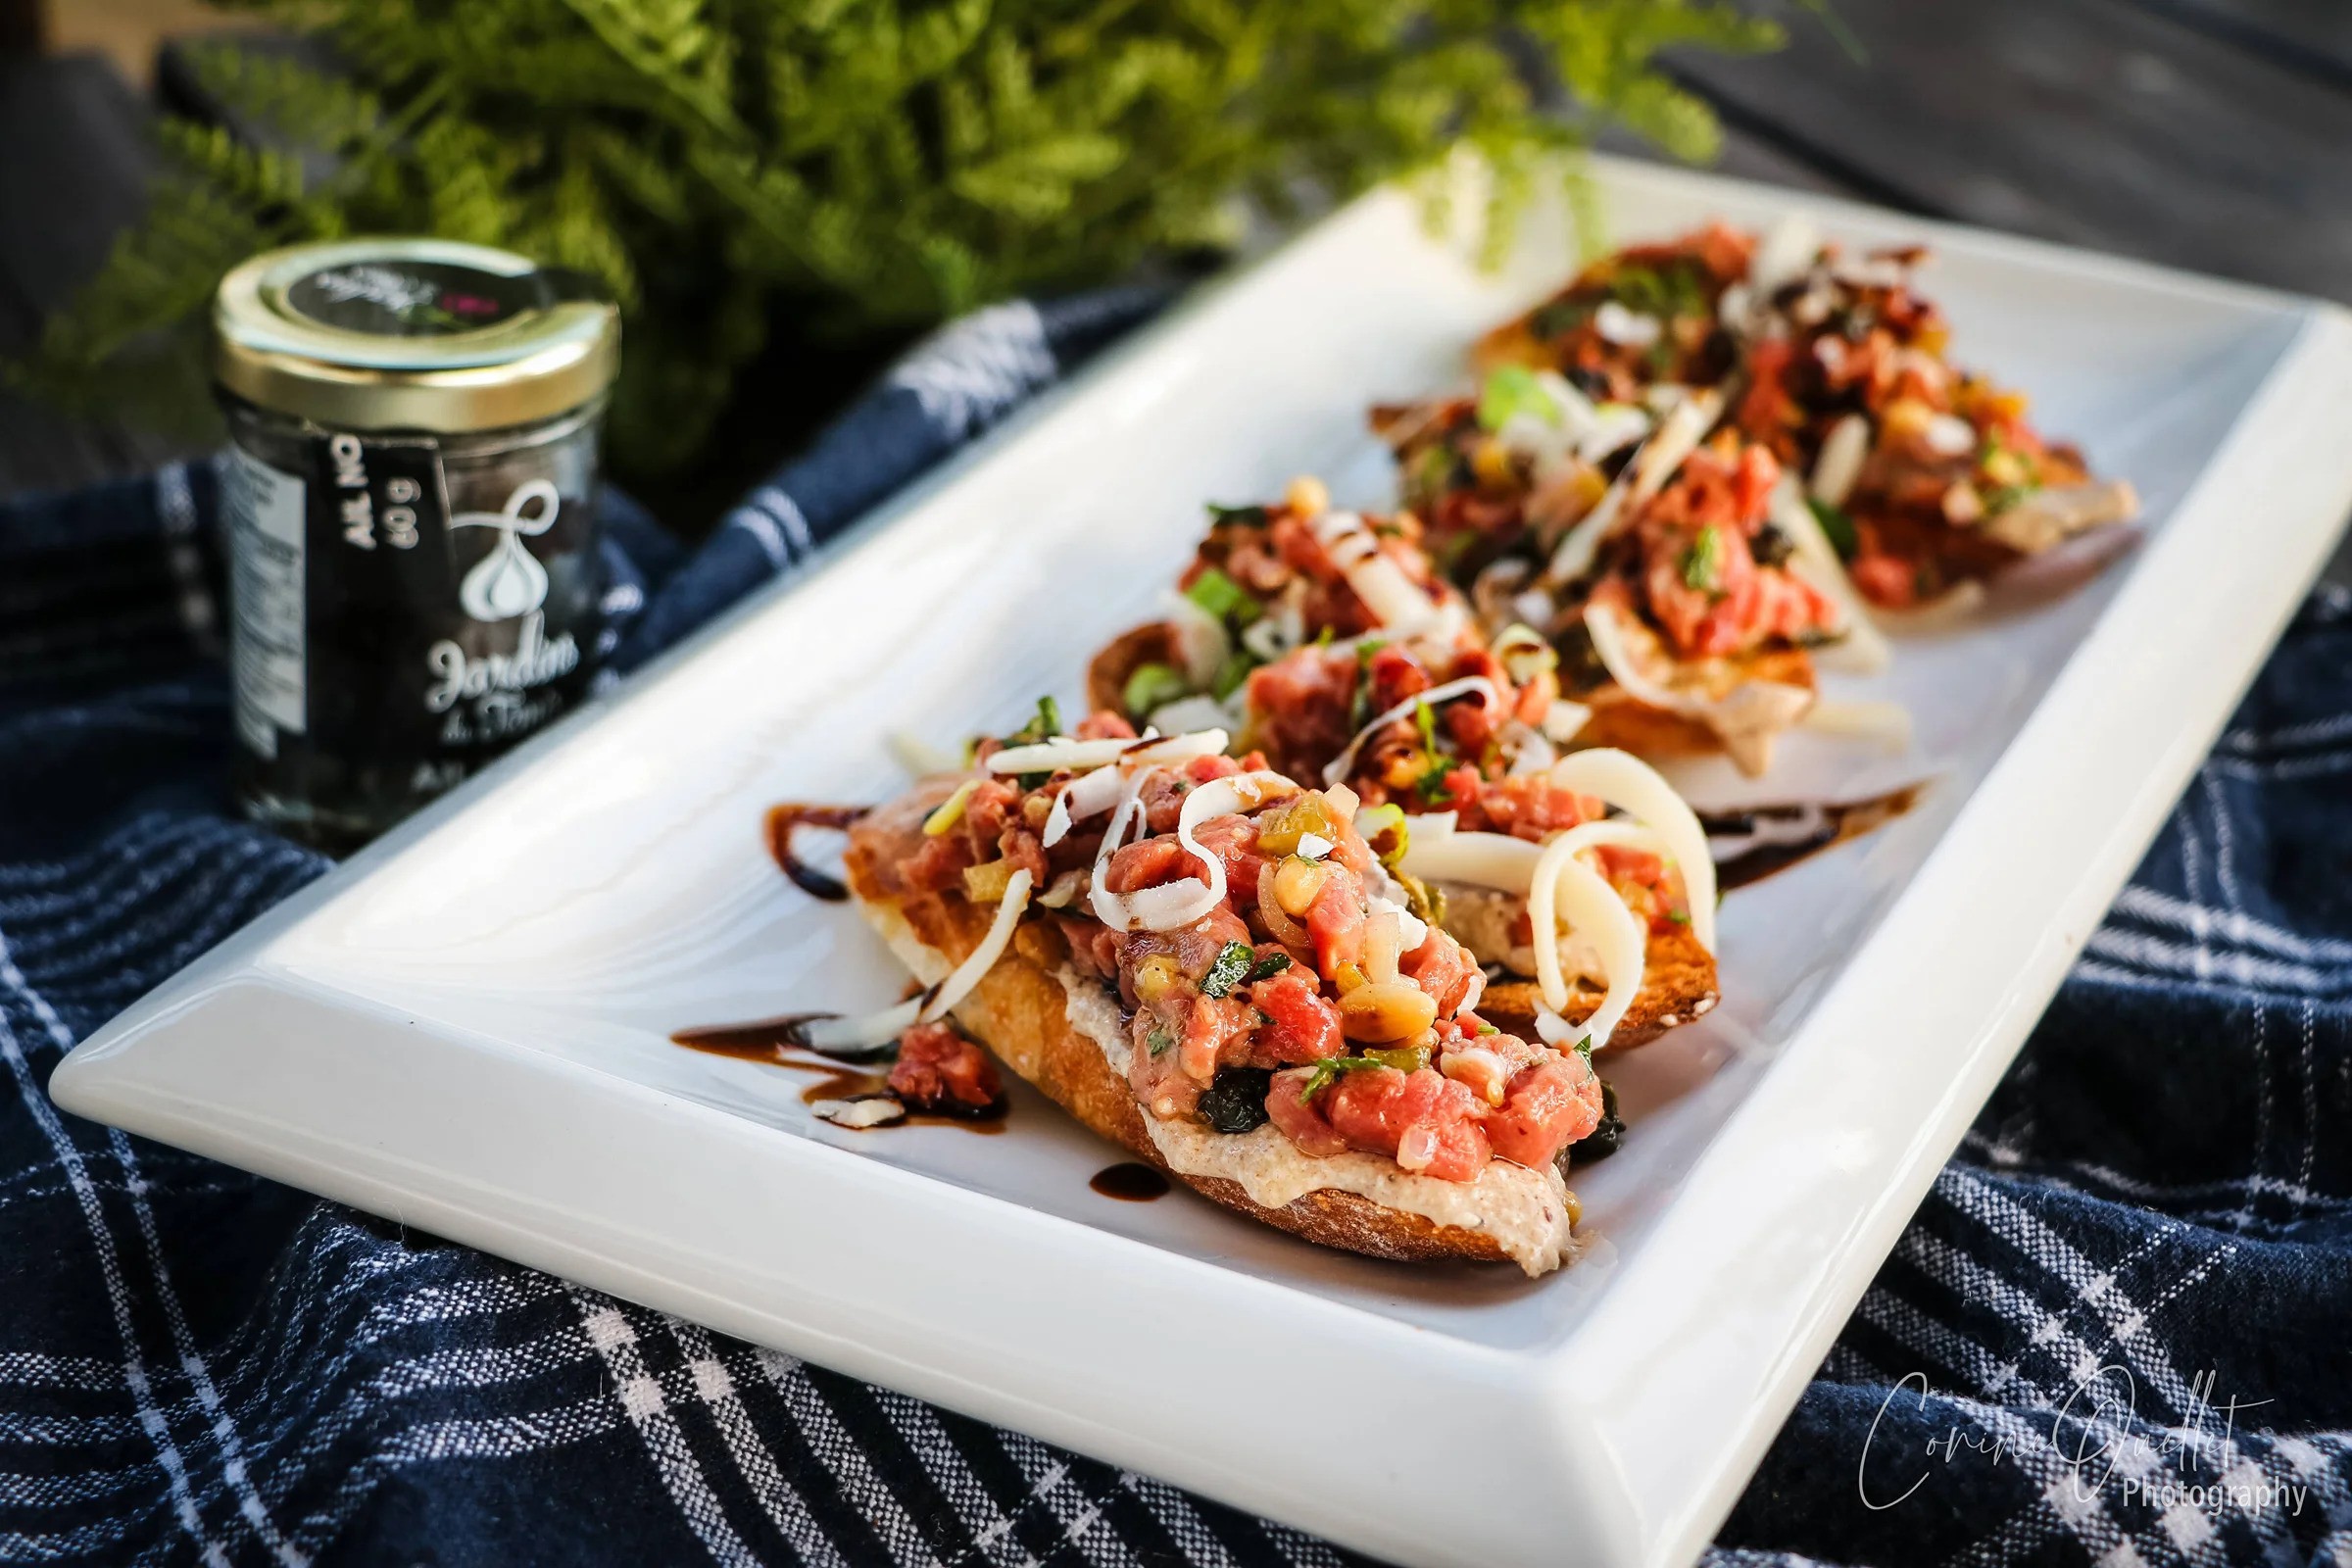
867, 166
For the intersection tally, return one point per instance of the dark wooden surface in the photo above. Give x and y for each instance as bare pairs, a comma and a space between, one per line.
2214, 135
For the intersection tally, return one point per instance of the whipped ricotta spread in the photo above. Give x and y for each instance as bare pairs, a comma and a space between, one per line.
1525, 1211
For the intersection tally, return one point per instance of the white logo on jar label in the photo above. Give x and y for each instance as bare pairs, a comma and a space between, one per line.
394, 291
507, 582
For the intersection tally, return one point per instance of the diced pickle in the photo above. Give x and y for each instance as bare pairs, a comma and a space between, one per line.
986, 882
1404, 1059
1280, 830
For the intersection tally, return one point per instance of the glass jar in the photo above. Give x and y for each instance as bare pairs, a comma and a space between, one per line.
409, 504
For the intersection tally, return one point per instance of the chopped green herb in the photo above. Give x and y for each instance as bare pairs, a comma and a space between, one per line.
1665, 292
1511, 391
1678, 916
2003, 497
1559, 317
1486, 1028
1404, 1059
1241, 517
1152, 686
1838, 525
1222, 597
1431, 786
1456, 547
1583, 1049
1267, 967
1431, 474
1703, 562
1231, 965
1321, 1076
1042, 727
1359, 702
1158, 1040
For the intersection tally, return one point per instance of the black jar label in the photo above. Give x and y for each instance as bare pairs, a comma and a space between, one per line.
403, 612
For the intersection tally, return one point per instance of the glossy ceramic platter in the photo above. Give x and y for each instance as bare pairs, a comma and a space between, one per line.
467, 1026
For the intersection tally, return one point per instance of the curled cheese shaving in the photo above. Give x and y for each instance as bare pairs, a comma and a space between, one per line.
1677, 436
1862, 649
1377, 580
1468, 685
1057, 820
1747, 719
1594, 912
863, 1032
965, 975
1062, 753
1200, 639
1624, 781
1177, 904
1858, 719
1554, 882
1840, 461
879, 1028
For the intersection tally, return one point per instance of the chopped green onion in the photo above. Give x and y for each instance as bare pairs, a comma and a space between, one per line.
1703, 562
1222, 597
1042, 727
1232, 965
1267, 967
1243, 517
1513, 390
1559, 317
1321, 1075
1158, 1039
1150, 687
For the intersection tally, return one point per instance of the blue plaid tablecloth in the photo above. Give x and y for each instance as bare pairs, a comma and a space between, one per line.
2118, 1332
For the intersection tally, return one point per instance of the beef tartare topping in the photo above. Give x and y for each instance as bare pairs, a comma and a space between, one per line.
1270, 955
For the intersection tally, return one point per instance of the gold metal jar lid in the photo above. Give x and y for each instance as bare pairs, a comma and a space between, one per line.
412, 335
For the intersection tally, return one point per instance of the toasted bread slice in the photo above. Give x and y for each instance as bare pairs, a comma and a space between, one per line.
1057, 1029
1678, 985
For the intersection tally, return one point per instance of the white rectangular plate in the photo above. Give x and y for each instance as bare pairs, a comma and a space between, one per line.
467, 1027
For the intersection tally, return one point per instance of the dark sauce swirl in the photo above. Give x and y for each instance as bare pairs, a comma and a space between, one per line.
784, 820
